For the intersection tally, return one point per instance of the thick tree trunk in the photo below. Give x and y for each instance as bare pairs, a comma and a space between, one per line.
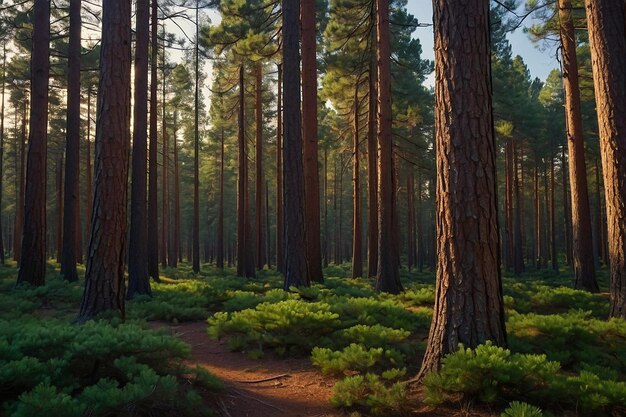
372, 178
104, 286
309, 132
153, 215
357, 233
582, 252
33, 247
607, 38
258, 212
71, 213
469, 307
388, 274
280, 266
296, 243
138, 279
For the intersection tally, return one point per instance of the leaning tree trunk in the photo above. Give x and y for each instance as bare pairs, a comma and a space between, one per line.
469, 307
153, 216
33, 247
388, 274
104, 286
607, 38
295, 253
138, 279
582, 251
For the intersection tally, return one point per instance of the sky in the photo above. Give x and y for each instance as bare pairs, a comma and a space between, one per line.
540, 62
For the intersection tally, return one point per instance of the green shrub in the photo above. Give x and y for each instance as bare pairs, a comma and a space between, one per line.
519, 409
355, 358
372, 394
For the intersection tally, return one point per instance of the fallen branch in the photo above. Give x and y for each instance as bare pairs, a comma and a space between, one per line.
257, 381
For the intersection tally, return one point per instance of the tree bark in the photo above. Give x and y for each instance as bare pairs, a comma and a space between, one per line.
260, 234
153, 215
296, 243
357, 233
104, 286
59, 209
388, 274
177, 255
219, 261
196, 154
88, 173
279, 175
607, 39
138, 279
33, 248
165, 201
19, 210
582, 250
469, 307
554, 255
4, 74
372, 180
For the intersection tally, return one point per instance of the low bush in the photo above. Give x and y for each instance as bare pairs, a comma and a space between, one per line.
519, 409
372, 393
355, 358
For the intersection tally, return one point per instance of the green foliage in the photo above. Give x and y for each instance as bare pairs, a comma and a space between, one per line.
519, 409
371, 393
355, 358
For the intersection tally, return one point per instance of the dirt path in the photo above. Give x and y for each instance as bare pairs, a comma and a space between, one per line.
259, 388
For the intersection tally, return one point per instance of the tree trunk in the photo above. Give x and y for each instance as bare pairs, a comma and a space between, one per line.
357, 233
518, 239
59, 209
104, 286
4, 73
268, 238
410, 221
388, 274
88, 173
582, 253
309, 132
508, 203
177, 253
567, 210
554, 255
296, 243
372, 180
279, 175
258, 212
607, 39
138, 279
599, 219
153, 215
165, 200
220, 216
196, 155
33, 248
469, 307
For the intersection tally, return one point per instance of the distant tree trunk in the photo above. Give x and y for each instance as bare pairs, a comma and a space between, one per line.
88, 173
59, 209
268, 237
326, 241
153, 214
584, 268
509, 170
138, 279
518, 238
4, 73
469, 308
335, 216
357, 233
567, 210
372, 179
296, 243
165, 201
279, 175
388, 276
410, 226
258, 212
309, 131
19, 210
33, 248
538, 246
196, 154
554, 255
104, 286
71, 214
607, 39
420, 229
176, 252
220, 216
599, 219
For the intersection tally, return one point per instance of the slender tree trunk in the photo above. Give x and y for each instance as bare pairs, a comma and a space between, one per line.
71, 214
538, 247
296, 243
165, 202
280, 266
357, 233
519, 247
196, 155
220, 216
410, 241
177, 253
607, 39
268, 236
260, 235
469, 308
33, 248
567, 210
326, 241
509, 170
554, 255
388, 276
584, 268
88, 173
4, 74
420, 229
104, 286
153, 215
138, 279
372, 179
59, 209
19, 210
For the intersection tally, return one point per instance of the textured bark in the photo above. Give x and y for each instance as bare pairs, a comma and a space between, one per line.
388, 274
372, 179
19, 210
601, 241
357, 233
178, 252
554, 255
567, 210
219, 261
296, 271
468, 300
280, 266
138, 279
172, 242
582, 250
607, 39
196, 156
88, 173
4, 62
309, 132
258, 212
165, 200
71, 211
153, 215
33, 247
104, 286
